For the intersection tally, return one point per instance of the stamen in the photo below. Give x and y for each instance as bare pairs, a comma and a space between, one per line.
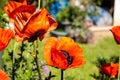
68, 57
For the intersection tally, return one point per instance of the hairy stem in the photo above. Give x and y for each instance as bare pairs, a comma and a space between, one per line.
13, 61
119, 69
36, 59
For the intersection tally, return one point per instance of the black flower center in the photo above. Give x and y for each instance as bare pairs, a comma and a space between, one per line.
68, 57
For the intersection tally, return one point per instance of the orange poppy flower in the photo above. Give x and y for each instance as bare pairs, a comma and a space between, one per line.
116, 33
36, 26
29, 25
63, 53
5, 37
110, 69
3, 75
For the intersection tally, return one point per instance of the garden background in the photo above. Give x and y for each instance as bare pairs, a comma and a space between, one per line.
72, 23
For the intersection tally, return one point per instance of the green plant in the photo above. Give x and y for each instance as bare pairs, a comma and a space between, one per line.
76, 17
71, 13
3, 18
103, 61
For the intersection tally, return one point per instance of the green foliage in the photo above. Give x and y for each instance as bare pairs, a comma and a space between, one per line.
76, 16
2, 3
47, 3
102, 61
2, 18
19, 61
70, 14
97, 2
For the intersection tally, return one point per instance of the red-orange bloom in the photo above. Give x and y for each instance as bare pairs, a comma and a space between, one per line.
116, 33
63, 53
5, 37
3, 75
110, 69
36, 26
29, 24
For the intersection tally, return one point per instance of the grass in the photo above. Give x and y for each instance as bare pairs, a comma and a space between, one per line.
105, 48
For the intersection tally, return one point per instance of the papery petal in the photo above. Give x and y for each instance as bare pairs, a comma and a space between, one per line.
77, 54
50, 43
5, 37
21, 0
116, 33
3, 75
22, 8
20, 22
11, 6
59, 59
110, 69
52, 22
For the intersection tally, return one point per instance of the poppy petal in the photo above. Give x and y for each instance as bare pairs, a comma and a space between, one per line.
5, 37
23, 8
3, 75
50, 43
110, 69
59, 59
11, 6
116, 33
21, 0
52, 23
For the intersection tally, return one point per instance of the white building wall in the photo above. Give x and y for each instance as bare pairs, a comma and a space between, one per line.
116, 13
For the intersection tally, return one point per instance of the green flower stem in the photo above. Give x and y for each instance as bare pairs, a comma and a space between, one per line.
40, 3
13, 69
119, 67
1, 59
13, 61
36, 59
38, 70
62, 74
